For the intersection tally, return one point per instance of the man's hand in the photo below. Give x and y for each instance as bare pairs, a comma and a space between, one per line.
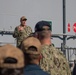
20, 28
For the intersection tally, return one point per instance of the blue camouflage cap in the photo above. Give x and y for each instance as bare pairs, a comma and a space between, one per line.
40, 24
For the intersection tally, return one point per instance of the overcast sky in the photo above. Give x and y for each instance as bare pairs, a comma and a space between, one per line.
36, 10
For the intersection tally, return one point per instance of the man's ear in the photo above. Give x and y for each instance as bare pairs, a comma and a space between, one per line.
41, 56
36, 34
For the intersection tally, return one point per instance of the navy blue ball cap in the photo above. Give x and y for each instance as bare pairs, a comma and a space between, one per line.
40, 24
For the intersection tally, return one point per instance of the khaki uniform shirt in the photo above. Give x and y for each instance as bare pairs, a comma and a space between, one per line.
20, 35
54, 62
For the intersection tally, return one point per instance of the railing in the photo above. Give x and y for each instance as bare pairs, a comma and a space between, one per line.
70, 53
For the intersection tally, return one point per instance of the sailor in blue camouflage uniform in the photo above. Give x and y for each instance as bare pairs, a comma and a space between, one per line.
31, 47
53, 61
22, 31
